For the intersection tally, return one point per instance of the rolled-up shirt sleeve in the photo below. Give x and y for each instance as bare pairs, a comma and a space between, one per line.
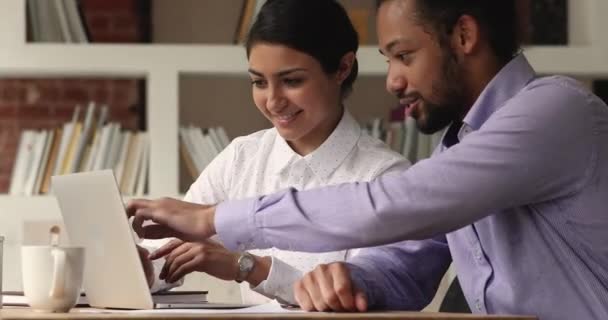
280, 281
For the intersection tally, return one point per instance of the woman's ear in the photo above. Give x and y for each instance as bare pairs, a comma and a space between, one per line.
346, 67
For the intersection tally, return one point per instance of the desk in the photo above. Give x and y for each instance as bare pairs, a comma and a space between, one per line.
9, 313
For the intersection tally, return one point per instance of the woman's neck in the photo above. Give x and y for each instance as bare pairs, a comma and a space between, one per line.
317, 136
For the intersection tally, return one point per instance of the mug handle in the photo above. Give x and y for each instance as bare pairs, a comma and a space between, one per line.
58, 284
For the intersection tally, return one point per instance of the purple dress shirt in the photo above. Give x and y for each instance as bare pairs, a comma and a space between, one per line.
520, 205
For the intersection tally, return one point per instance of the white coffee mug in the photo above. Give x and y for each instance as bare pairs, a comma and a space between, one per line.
52, 276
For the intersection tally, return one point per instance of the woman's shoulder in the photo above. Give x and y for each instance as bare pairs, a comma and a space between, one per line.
374, 146
253, 141
375, 156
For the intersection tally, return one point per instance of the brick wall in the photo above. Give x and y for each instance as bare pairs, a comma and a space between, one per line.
115, 21
47, 103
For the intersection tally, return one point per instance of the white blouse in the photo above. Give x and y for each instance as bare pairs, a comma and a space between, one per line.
263, 163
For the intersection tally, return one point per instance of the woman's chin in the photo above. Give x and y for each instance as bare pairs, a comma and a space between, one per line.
288, 135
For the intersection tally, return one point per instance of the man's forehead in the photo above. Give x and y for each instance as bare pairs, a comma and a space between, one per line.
395, 24
396, 13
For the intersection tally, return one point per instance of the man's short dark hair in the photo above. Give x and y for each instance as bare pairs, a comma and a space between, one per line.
497, 20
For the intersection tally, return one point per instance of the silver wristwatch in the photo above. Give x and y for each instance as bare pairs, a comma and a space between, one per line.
245, 264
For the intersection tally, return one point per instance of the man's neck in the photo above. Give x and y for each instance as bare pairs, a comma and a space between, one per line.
479, 74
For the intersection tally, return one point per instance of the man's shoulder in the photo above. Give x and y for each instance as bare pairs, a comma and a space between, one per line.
563, 84
557, 95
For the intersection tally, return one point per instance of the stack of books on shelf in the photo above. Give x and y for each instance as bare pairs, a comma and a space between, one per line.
360, 13
81, 145
198, 146
402, 135
248, 15
56, 21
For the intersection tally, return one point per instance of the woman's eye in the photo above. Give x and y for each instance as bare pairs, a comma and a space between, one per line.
258, 83
292, 82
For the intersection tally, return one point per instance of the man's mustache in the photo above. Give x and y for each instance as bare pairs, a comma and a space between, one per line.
409, 97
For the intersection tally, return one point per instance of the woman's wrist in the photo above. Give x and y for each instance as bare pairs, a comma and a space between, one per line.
208, 219
260, 271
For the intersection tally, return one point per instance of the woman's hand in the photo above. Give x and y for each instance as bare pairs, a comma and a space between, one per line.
146, 264
185, 257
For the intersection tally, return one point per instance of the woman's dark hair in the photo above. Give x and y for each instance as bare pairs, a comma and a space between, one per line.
319, 28
497, 19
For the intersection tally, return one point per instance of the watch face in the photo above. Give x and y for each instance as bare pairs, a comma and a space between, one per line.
247, 262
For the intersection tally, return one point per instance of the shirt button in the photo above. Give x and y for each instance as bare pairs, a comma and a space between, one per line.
478, 305
478, 254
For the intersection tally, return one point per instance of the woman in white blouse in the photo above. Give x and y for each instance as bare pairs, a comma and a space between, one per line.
302, 64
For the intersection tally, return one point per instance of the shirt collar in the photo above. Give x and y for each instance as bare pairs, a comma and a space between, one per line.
329, 155
510, 79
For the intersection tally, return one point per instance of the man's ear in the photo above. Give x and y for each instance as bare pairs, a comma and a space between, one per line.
466, 35
346, 67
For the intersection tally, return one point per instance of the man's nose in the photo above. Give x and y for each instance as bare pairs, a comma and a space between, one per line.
396, 83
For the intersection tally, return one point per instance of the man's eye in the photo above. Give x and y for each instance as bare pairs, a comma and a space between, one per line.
406, 56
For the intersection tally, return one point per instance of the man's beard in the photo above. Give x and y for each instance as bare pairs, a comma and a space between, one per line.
449, 90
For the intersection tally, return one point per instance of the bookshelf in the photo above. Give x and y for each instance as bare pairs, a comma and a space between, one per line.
163, 64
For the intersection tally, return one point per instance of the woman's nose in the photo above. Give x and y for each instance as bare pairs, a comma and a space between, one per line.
276, 101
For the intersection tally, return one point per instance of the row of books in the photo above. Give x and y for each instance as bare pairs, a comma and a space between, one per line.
56, 21
248, 14
81, 145
360, 15
198, 146
404, 137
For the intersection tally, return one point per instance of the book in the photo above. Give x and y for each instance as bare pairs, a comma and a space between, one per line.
134, 167
66, 136
114, 148
52, 161
127, 137
75, 21
215, 138
104, 144
62, 18
70, 154
187, 157
84, 139
48, 20
223, 136
38, 153
44, 161
35, 31
142, 180
244, 21
248, 16
129, 171
18, 299
23, 162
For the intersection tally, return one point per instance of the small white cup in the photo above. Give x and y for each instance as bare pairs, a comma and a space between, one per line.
52, 276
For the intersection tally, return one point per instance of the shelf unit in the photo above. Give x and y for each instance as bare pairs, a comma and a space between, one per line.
162, 65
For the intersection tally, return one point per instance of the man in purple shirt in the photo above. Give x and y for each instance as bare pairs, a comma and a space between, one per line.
514, 195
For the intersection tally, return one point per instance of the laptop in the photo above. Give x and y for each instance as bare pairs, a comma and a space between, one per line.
95, 218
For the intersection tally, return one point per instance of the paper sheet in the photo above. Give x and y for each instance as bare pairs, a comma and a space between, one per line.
271, 307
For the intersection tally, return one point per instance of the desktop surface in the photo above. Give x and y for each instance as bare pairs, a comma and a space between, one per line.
15, 313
